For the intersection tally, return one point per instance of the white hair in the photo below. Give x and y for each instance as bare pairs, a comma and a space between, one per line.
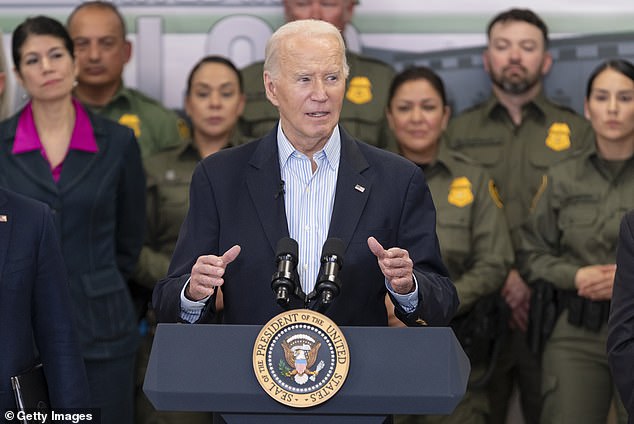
309, 28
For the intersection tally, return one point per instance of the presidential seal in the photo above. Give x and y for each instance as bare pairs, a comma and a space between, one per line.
301, 358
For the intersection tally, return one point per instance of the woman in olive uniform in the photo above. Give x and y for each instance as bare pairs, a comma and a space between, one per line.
214, 101
570, 241
474, 239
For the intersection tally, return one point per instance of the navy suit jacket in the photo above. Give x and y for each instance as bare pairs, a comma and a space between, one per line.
234, 200
35, 305
621, 323
99, 213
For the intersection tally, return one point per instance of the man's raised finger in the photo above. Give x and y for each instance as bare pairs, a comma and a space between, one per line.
230, 255
376, 248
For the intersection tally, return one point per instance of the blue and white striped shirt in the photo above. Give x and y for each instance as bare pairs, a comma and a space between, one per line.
309, 198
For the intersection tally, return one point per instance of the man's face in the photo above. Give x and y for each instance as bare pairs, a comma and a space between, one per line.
100, 47
516, 58
336, 12
308, 90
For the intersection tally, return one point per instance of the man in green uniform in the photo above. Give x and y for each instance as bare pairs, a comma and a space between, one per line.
101, 49
367, 86
517, 134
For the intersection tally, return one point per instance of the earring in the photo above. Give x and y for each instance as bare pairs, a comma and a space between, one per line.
75, 83
25, 96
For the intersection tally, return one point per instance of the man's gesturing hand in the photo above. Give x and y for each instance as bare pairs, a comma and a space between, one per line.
395, 265
207, 274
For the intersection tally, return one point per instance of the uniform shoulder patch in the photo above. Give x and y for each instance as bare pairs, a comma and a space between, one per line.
495, 194
538, 194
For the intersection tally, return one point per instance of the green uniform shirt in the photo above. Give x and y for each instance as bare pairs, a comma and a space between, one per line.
363, 111
576, 219
474, 239
169, 174
155, 127
517, 157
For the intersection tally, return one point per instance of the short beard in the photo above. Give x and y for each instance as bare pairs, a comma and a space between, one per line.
516, 87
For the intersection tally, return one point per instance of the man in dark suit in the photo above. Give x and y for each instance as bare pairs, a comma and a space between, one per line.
309, 180
621, 323
35, 305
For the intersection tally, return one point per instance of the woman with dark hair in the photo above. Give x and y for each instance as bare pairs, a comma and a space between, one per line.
214, 101
88, 170
570, 241
474, 240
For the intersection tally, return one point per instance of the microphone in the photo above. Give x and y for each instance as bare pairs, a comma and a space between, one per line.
281, 191
285, 279
328, 284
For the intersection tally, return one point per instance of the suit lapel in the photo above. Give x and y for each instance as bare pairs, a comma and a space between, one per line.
263, 182
352, 191
37, 169
76, 165
5, 230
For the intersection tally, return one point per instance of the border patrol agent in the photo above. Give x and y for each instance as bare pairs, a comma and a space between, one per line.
575, 224
570, 242
470, 225
98, 32
517, 134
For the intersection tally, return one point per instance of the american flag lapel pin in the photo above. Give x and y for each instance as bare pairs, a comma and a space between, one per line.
3, 218
359, 188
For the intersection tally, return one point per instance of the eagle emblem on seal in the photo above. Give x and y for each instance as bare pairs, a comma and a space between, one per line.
300, 352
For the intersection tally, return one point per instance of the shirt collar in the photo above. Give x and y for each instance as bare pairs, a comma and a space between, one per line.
331, 151
27, 138
122, 94
493, 106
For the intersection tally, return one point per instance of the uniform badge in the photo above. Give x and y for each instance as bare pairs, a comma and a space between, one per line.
133, 122
495, 194
359, 91
460, 192
301, 358
558, 138
4, 218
